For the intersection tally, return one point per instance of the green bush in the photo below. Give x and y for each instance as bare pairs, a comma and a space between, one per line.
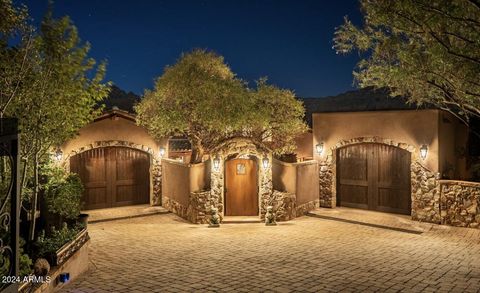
63, 191
58, 238
25, 261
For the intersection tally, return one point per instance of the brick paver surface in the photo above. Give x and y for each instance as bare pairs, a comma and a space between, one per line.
163, 253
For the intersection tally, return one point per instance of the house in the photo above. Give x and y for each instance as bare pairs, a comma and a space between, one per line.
365, 150
382, 154
117, 160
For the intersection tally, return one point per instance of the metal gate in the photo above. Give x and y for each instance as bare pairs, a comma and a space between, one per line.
9, 202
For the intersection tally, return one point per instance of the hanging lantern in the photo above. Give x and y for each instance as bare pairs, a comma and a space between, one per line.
265, 163
319, 148
423, 151
58, 155
161, 152
216, 164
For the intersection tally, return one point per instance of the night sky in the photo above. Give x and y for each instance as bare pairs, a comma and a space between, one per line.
288, 41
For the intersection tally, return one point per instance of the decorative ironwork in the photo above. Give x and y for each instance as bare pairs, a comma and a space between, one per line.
9, 202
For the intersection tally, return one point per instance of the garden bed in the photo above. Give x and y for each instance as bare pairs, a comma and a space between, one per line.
71, 258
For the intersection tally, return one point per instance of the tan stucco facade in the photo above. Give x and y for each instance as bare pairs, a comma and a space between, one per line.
118, 128
114, 127
414, 128
440, 131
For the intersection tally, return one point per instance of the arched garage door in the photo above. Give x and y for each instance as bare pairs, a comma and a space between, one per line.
375, 177
113, 176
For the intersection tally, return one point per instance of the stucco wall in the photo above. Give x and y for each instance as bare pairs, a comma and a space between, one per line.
284, 176
413, 127
199, 176
300, 180
304, 149
112, 128
453, 136
307, 184
176, 176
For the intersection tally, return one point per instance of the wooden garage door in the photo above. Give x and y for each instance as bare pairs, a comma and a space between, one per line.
112, 176
375, 177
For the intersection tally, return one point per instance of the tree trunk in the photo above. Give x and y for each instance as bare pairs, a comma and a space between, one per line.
197, 152
33, 208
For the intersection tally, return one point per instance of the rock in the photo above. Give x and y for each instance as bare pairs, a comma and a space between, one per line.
41, 267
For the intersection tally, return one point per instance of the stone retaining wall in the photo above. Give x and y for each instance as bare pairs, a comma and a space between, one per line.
460, 203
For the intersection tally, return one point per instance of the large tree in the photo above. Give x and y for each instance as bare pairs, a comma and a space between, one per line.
201, 98
53, 88
426, 50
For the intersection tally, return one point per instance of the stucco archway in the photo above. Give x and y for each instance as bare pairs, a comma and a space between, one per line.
425, 193
241, 148
155, 169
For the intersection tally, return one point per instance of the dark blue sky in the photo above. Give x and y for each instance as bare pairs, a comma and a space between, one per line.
288, 41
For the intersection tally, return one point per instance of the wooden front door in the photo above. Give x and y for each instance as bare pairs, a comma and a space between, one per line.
241, 189
375, 177
112, 176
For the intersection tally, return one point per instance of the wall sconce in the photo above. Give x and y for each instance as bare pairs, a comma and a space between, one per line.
423, 151
216, 163
319, 148
58, 155
265, 163
161, 152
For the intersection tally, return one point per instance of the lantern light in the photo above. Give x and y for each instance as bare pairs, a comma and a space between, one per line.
319, 148
265, 163
161, 152
58, 154
216, 163
423, 151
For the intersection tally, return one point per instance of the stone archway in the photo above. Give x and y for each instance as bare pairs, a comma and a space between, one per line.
425, 194
155, 163
240, 148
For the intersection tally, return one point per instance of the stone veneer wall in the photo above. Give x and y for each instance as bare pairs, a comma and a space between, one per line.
425, 194
425, 186
238, 148
155, 164
198, 209
460, 203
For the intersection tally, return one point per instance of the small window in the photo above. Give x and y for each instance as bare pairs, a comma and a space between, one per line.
241, 169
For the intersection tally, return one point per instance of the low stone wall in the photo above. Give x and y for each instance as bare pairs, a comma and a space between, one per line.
425, 194
283, 204
460, 203
198, 209
307, 207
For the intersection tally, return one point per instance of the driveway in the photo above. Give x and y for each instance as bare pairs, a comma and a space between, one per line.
339, 250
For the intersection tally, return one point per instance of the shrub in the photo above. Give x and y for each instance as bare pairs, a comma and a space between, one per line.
58, 238
63, 192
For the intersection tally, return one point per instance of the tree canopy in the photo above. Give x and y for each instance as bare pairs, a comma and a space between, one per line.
426, 50
201, 98
49, 83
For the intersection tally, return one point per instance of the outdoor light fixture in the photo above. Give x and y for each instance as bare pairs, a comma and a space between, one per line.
216, 163
58, 154
423, 151
161, 152
319, 148
265, 163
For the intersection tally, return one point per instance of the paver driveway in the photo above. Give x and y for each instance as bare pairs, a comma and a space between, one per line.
162, 253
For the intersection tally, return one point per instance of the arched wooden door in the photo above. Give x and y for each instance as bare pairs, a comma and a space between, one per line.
241, 188
113, 176
375, 177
